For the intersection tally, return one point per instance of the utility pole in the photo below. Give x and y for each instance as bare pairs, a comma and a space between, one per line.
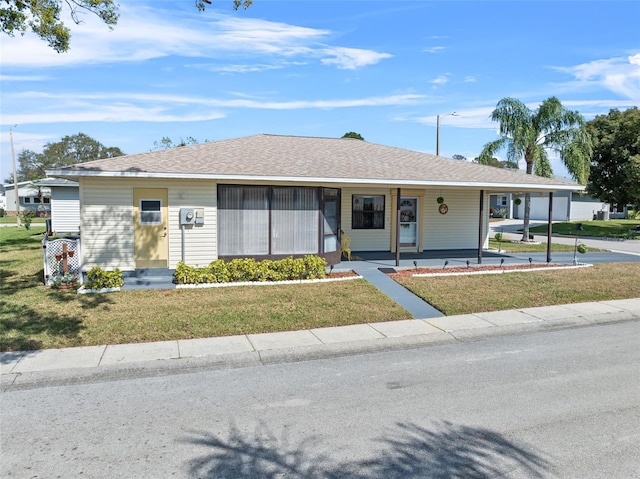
438, 130
15, 178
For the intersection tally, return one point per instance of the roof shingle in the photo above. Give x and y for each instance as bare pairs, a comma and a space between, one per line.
308, 159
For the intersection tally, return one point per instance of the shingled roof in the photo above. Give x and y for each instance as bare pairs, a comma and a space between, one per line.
311, 159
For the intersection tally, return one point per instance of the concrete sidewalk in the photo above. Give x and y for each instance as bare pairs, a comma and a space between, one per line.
29, 367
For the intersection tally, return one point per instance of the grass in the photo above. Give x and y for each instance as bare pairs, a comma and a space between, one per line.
33, 316
11, 220
509, 247
526, 290
597, 228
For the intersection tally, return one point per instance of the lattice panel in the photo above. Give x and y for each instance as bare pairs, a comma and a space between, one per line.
53, 258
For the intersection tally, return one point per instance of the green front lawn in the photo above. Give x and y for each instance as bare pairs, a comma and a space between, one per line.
509, 247
602, 229
11, 220
496, 292
33, 316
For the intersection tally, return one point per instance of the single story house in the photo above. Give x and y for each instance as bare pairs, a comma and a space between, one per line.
3, 198
30, 196
567, 206
64, 204
271, 196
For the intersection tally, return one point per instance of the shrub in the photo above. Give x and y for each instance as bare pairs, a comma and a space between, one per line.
64, 281
582, 248
27, 217
98, 278
248, 269
498, 236
316, 267
3, 213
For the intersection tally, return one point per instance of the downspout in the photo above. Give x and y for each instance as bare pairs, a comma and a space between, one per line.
398, 229
480, 224
549, 227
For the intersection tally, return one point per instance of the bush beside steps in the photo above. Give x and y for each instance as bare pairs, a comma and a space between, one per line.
101, 281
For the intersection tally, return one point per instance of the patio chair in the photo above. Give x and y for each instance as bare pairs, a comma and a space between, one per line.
345, 246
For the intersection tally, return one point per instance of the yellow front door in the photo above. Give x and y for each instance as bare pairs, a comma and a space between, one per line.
151, 244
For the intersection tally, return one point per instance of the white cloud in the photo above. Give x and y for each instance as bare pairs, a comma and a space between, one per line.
126, 107
620, 75
24, 78
469, 79
352, 58
435, 49
469, 118
441, 80
144, 33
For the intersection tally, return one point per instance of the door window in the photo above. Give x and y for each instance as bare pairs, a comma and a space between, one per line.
150, 212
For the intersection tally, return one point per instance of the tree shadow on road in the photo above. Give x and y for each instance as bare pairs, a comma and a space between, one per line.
444, 451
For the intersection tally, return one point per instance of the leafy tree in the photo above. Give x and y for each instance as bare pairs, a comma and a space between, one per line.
615, 164
353, 134
530, 135
167, 143
42, 17
68, 151
236, 4
493, 161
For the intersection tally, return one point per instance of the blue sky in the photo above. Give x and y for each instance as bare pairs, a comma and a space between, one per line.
384, 69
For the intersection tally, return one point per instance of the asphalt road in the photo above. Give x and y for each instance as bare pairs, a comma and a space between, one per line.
560, 404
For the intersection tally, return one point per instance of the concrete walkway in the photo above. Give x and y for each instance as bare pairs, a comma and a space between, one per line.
110, 361
405, 298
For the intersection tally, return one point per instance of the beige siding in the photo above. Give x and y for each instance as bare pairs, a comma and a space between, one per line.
106, 224
458, 229
200, 243
367, 240
107, 221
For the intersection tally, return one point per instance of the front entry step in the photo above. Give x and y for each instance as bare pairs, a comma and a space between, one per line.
148, 278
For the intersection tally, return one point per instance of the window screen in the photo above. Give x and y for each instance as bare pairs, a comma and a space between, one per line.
150, 212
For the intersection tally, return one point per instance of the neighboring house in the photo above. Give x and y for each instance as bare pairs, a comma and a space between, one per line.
31, 197
3, 198
567, 206
64, 203
271, 196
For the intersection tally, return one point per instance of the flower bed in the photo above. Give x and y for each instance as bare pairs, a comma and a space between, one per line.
489, 269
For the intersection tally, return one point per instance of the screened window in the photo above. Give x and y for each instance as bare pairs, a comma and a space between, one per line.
368, 212
265, 220
243, 220
294, 217
26, 200
150, 212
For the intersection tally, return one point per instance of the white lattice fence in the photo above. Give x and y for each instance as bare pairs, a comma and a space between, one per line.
55, 254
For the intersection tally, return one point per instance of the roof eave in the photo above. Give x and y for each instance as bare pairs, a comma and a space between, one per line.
495, 186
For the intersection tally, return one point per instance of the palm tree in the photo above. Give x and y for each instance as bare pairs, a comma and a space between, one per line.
531, 134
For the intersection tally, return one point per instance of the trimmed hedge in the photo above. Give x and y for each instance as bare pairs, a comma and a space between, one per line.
248, 269
97, 278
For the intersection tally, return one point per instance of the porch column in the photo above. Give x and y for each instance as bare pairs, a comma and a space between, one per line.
480, 223
549, 227
398, 229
